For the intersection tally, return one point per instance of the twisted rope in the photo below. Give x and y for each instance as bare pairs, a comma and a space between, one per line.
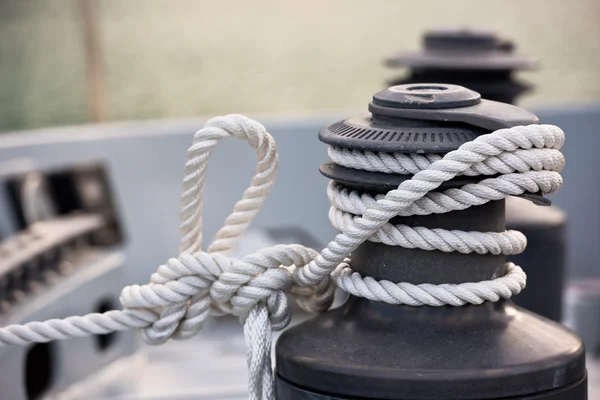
399, 200
410, 164
431, 295
506, 243
185, 290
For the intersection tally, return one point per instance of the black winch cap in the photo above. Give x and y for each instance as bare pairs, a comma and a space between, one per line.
423, 118
464, 49
419, 119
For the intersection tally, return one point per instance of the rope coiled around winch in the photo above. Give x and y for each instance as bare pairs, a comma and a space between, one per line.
183, 291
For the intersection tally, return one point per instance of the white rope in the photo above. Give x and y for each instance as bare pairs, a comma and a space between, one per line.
452, 164
410, 164
183, 291
506, 243
431, 295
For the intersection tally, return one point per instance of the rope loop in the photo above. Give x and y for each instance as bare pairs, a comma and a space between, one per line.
185, 290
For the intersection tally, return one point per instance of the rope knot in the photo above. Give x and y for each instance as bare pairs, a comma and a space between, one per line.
187, 288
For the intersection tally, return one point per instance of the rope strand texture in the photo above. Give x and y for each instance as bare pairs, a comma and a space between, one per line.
185, 290
413, 191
